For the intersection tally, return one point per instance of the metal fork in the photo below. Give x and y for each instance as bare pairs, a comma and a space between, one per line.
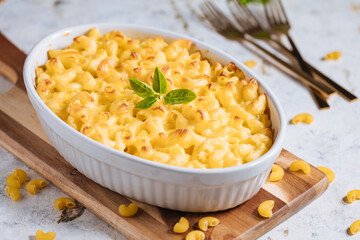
250, 25
279, 23
224, 26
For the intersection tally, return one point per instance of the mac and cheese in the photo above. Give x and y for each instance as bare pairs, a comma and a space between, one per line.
87, 86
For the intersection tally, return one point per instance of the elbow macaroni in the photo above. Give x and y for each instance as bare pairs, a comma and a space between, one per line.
206, 222
303, 117
13, 182
250, 63
277, 173
40, 235
328, 172
87, 86
13, 193
265, 208
300, 165
128, 211
195, 235
64, 202
181, 226
34, 185
20, 174
335, 55
353, 195
354, 227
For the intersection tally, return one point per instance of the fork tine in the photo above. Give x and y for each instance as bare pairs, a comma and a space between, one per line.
268, 14
217, 19
276, 11
217, 11
252, 17
214, 15
283, 13
261, 19
211, 17
240, 17
248, 15
258, 16
272, 12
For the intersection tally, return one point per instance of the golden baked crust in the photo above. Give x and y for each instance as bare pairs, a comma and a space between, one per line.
87, 86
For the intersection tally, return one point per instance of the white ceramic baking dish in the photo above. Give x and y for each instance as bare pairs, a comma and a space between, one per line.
193, 190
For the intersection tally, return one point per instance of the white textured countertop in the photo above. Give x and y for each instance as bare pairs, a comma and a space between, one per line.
333, 140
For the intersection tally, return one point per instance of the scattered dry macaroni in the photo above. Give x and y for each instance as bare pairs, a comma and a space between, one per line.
13, 181
64, 202
13, 193
328, 172
335, 55
195, 235
34, 185
354, 227
300, 165
87, 86
21, 175
181, 226
265, 208
40, 235
206, 222
277, 173
353, 195
302, 117
250, 63
128, 211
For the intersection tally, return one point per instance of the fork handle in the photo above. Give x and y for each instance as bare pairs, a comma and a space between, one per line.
320, 100
342, 91
298, 56
308, 80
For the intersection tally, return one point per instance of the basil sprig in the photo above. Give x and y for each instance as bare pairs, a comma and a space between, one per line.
159, 87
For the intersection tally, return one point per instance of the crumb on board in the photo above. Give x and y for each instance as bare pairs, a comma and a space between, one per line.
335, 55
66, 34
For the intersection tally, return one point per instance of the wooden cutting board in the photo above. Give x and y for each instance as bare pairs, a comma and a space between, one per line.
22, 135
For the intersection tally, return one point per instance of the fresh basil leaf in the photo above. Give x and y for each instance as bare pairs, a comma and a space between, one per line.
249, 1
159, 82
178, 96
255, 1
146, 103
141, 88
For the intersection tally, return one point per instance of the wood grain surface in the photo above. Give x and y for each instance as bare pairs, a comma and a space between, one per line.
22, 135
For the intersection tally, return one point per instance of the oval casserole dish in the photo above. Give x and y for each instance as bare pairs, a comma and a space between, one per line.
178, 188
